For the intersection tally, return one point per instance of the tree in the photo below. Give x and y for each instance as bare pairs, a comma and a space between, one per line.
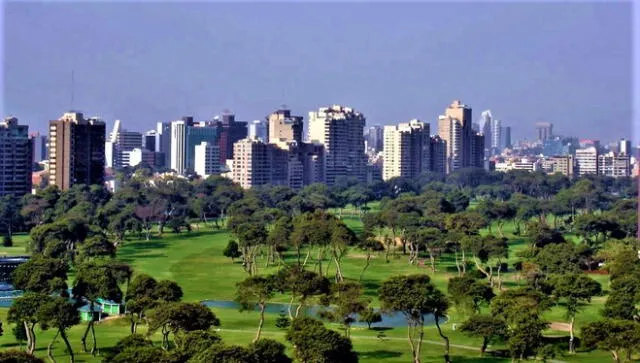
414, 296
575, 290
370, 316
468, 293
348, 301
10, 217
128, 342
487, 327
97, 279
168, 291
220, 353
95, 247
16, 356
232, 250
60, 314
140, 297
255, 290
616, 336
301, 284
180, 316
189, 344
316, 344
25, 311
268, 351
41, 274
560, 258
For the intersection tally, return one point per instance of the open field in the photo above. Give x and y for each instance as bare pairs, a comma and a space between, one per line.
195, 261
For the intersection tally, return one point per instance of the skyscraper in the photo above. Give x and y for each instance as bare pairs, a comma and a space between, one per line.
477, 151
120, 142
624, 147
259, 129
196, 134
76, 150
163, 142
207, 159
544, 130
178, 147
450, 131
251, 164
374, 136
16, 158
340, 130
587, 161
39, 150
230, 132
496, 137
505, 141
461, 112
438, 152
406, 150
284, 127
149, 140
486, 125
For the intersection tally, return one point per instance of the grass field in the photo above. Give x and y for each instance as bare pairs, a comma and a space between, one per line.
195, 261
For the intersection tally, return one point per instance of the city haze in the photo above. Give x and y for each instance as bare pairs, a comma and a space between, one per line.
565, 63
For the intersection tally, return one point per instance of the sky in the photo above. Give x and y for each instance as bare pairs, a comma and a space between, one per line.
569, 63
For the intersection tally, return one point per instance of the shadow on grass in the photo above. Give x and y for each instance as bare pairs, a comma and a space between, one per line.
467, 359
380, 354
381, 328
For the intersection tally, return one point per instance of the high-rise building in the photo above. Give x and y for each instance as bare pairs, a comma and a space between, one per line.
406, 150
149, 140
259, 129
178, 147
506, 138
374, 137
207, 159
438, 152
496, 137
544, 130
76, 150
624, 147
284, 127
614, 165
39, 150
230, 132
461, 112
163, 142
16, 158
251, 166
198, 133
477, 151
340, 130
486, 126
450, 131
587, 161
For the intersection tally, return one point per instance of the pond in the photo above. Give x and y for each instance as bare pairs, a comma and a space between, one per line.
388, 320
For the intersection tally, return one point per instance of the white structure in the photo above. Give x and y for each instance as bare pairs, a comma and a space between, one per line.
258, 130
406, 150
496, 135
207, 159
178, 147
522, 164
624, 147
450, 130
587, 161
614, 165
340, 130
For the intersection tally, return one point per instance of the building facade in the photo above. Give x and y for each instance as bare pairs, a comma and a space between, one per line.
544, 130
178, 147
76, 150
283, 126
16, 159
564, 165
259, 129
230, 132
614, 165
251, 163
39, 149
196, 135
587, 161
374, 138
406, 150
207, 159
340, 130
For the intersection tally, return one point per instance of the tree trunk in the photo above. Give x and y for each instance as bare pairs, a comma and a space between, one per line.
455, 253
366, 265
499, 276
72, 358
50, 346
464, 263
433, 261
298, 309
289, 308
94, 349
572, 348
479, 267
31, 345
616, 357
262, 307
416, 358
84, 336
483, 348
444, 337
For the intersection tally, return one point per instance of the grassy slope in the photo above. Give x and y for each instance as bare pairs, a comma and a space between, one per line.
195, 261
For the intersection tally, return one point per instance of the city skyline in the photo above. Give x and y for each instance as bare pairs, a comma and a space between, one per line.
122, 72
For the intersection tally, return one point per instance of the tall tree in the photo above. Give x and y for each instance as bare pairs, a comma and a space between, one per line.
316, 344
25, 311
60, 314
414, 296
255, 290
487, 327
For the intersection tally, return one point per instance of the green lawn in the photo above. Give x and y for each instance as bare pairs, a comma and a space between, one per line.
195, 261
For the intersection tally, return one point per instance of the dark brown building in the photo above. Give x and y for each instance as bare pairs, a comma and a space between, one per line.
76, 151
231, 131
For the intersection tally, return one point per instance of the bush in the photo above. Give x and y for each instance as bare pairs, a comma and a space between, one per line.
7, 241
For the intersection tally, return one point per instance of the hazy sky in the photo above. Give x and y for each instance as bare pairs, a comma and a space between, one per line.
565, 63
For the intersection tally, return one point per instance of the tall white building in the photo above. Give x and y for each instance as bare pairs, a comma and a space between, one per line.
340, 130
614, 165
178, 147
258, 130
250, 166
496, 135
207, 159
406, 150
587, 161
450, 130
624, 147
